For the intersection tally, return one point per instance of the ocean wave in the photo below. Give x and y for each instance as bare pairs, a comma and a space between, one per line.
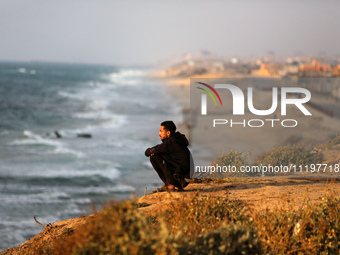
101, 104
104, 90
108, 120
92, 93
26, 198
129, 73
127, 77
71, 95
116, 188
124, 81
24, 70
123, 188
82, 201
94, 115
21, 70
67, 178
96, 104
34, 139
63, 150
114, 122
111, 174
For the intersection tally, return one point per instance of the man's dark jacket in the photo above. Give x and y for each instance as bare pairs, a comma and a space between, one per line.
174, 150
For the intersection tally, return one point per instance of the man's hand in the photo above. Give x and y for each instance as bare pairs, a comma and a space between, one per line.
149, 153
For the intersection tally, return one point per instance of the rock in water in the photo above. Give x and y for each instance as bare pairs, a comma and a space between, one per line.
84, 135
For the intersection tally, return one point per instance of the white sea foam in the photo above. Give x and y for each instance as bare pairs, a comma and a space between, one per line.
21, 70
82, 201
129, 73
71, 95
115, 122
24, 70
36, 198
96, 109
108, 121
34, 139
127, 77
123, 81
94, 115
102, 92
99, 104
63, 150
106, 190
123, 188
111, 174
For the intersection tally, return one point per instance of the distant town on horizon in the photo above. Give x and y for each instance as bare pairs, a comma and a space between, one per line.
267, 66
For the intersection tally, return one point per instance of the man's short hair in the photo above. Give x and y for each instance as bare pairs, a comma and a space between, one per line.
169, 125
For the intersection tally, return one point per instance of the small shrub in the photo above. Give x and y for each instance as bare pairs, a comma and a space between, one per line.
204, 214
140, 205
333, 142
119, 229
229, 239
68, 231
210, 225
320, 226
275, 230
233, 158
288, 155
312, 229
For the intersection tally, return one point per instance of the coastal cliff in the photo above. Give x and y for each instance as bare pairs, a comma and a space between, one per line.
255, 194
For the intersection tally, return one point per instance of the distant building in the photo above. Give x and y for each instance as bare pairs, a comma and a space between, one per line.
336, 71
266, 70
314, 69
290, 70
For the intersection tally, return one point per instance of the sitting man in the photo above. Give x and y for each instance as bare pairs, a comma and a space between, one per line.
171, 159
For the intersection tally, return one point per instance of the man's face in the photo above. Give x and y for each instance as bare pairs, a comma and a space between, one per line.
163, 133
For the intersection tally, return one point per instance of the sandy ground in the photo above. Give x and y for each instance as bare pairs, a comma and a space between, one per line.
259, 194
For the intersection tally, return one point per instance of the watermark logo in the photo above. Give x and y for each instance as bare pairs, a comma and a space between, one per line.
204, 97
301, 96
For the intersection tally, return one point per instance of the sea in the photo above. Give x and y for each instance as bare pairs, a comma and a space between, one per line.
72, 137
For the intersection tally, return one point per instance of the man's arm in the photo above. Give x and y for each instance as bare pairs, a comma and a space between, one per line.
160, 148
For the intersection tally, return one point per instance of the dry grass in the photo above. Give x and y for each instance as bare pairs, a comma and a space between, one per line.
207, 225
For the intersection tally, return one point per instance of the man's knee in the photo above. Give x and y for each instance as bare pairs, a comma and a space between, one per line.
156, 159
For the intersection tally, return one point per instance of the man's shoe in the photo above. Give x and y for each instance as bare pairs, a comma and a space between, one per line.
161, 189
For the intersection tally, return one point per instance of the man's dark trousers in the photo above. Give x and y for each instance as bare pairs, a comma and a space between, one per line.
167, 172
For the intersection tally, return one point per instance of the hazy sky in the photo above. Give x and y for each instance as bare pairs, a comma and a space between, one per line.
138, 32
